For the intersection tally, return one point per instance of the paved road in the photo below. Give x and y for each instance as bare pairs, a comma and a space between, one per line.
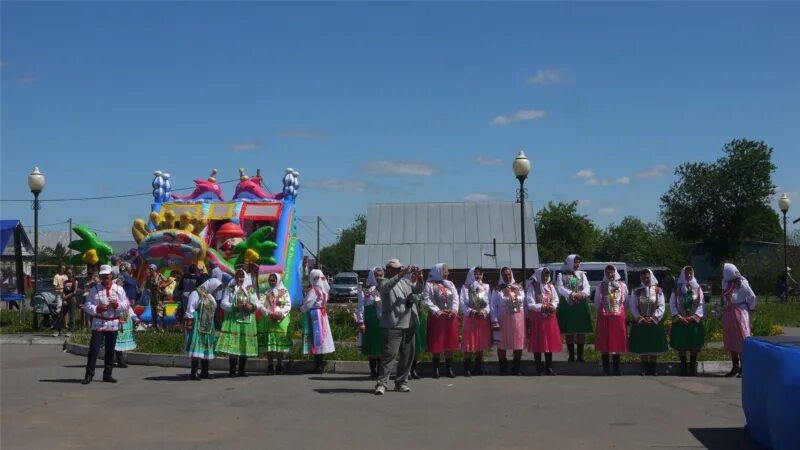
44, 406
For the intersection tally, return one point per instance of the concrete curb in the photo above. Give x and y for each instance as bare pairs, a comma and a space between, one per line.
424, 368
31, 340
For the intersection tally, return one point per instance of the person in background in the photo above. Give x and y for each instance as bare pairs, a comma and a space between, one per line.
239, 335
441, 298
129, 284
8, 285
58, 285
737, 302
421, 329
573, 315
273, 328
687, 333
92, 280
104, 304
541, 299
612, 334
399, 303
648, 337
508, 315
317, 337
199, 322
476, 333
368, 319
115, 266
155, 285
179, 294
127, 325
69, 304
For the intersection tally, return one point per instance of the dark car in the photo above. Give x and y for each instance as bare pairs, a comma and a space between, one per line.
344, 287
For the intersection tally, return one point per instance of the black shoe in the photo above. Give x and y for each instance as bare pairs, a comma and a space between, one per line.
270, 370
279, 369
616, 366
516, 367
735, 370
242, 364
232, 367
477, 369
194, 377
436, 368
206, 376
87, 379
606, 365
413, 373
109, 379
448, 368
645, 368
571, 350
467, 371
580, 353
193, 373
653, 368
373, 369
503, 363
548, 369
539, 368
693, 366
204, 370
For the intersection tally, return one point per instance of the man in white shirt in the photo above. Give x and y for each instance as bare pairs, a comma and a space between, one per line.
105, 303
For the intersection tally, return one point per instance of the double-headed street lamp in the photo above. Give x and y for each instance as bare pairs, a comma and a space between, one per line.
36, 184
784, 204
522, 167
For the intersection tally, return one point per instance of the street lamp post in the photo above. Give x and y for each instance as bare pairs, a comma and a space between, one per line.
522, 167
784, 204
36, 184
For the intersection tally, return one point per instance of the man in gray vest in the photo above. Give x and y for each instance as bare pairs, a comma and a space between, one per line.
399, 321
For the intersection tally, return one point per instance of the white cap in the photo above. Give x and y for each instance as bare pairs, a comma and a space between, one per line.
105, 269
394, 263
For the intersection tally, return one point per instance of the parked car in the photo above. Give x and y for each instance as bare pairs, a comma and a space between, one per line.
344, 287
594, 272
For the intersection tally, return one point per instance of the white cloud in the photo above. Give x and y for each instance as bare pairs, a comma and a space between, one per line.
607, 211
546, 77
338, 184
591, 182
246, 147
584, 202
585, 173
489, 161
653, 172
398, 168
622, 180
479, 197
522, 114
301, 134
590, 179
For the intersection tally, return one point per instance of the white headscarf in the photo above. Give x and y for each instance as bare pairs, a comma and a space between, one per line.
653, 279
683, 284
569, 264
502, 282
436, 274
279, 284
731, 273
616, 274
470, 281
317, 279
537, 278
371, 280
211, 285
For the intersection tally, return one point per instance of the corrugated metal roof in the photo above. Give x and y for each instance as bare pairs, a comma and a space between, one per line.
459, 234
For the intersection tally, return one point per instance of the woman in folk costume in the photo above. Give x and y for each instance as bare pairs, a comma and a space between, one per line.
737, 301
611, 337
125, 339
239, 335
441, 298
477, 333
317, 337
199, 325
687, 332
421, 335
273, 328
368, 318
508, 315
541, 300
574, 319
648, 337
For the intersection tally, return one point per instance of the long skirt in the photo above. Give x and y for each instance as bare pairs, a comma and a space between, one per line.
612, 333
574, 318
512, 331
476, 335
545, 335
238, 338
648, 338
421, 338
691, 336
735, 328
442, 333
317, 337
274, 336
200, 345
372, 341
125, 340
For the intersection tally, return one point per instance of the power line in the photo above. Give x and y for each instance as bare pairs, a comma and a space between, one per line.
106, 197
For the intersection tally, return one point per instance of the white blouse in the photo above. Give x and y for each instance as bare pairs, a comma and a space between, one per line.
436, 301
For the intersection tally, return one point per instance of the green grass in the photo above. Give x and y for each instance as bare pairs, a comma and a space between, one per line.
784, 314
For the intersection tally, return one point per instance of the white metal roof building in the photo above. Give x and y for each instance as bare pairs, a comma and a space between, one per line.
458, 234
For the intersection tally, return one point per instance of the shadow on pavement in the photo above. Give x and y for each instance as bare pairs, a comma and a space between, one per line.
353, 378
180, 377
344, 391
725, 438
75, 366
63, 380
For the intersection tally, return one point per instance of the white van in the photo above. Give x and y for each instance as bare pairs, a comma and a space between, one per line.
594, 272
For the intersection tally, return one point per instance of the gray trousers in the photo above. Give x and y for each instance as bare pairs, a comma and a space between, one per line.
398, 344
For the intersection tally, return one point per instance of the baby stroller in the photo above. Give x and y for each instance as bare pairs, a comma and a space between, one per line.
48, 306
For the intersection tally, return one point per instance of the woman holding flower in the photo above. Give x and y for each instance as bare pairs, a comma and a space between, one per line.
508, 315
273, 328
648, 338
612, 334
738, 300
541, 300
239, 335
476, 334
441, 298
687, 333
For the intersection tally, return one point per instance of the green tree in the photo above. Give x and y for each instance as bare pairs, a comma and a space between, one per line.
635, 241
560, 231
339, 256
721, 204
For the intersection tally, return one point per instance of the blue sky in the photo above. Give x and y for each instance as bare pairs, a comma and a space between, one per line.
389, 102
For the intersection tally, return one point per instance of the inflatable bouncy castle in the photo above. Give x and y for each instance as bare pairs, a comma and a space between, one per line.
201, 228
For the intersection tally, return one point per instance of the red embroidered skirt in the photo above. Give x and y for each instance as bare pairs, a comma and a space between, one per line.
735, 329
476, 336
512, 331
545, 335
442, 333
612, 333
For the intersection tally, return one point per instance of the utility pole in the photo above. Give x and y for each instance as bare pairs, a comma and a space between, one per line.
318, 222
